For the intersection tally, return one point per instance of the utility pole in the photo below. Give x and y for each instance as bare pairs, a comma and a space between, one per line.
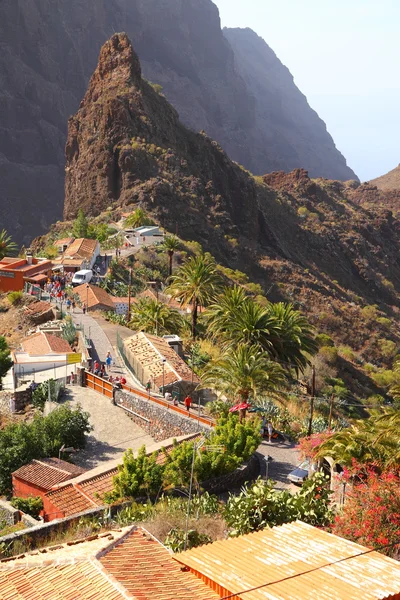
331, 411
129, 294
312, 401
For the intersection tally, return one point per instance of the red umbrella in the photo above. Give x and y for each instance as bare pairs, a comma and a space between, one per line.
241, 406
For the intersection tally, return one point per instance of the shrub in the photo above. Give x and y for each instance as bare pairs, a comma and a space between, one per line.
384, 321
329, 354
371, 514
30, 506
69, 331
15, 298
347, 353
175, 539
324, 340
137, 476
303, 212
259, 506
370, 312
387, 348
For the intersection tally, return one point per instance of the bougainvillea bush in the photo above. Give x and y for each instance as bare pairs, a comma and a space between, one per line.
371, 514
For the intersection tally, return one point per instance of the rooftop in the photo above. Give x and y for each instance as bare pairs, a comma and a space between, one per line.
295, 561
116, 565
149, 350
81, 248
42, 343
93, 296
37, 308
47, 472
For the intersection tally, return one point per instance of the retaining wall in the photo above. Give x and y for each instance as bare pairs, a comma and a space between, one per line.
8, 513
247, 472
159, 422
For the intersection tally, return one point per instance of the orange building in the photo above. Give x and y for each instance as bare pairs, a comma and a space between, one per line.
15, 272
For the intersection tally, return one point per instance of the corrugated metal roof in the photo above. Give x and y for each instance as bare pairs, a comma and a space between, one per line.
297, 561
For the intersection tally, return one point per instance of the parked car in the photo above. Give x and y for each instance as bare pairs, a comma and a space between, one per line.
80, 277
300, 473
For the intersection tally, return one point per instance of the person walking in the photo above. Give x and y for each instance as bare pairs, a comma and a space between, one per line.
68, 303
73, 304
188, 402
167, 396
270, 431
108, 360
148, 387
84, 308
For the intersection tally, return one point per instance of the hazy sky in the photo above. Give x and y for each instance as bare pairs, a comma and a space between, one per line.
344, 56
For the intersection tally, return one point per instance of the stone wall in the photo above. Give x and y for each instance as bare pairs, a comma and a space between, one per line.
5, 403
247, 472
8, 513
161, 423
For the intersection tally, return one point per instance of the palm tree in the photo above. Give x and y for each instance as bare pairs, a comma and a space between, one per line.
196, 283
278, 329
152, 316
138, 218
7, 246
296, 336
171, 243
243, 371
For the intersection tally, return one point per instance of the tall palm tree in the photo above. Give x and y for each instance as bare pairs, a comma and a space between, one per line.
196, 283
278, 329
7, 246
171, 243
152, 316
295, 339
243, 371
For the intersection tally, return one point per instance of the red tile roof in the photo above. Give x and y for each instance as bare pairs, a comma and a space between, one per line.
48, 472
94, 296
88, 491
41, 344
117, 565
81, 248
69, 500
147, 571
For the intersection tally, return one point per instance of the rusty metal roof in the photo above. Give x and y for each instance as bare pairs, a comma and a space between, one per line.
294, 562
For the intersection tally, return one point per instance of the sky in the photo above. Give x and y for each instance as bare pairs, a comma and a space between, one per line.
344, 56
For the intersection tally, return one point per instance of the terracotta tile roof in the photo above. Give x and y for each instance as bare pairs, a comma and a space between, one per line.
117, 565
41, 344
64, 241
149, 350
118, 300
94, 296
71, 572
297, 561
81, 248
47, 472
86, 491
147, 571
69, 500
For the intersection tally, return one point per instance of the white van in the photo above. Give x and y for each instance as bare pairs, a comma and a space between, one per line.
81, 277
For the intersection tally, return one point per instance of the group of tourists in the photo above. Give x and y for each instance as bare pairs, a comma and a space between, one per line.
103, 370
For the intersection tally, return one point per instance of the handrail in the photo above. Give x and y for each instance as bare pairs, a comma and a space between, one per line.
106, 389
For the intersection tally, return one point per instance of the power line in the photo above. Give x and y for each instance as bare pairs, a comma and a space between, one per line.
340, 560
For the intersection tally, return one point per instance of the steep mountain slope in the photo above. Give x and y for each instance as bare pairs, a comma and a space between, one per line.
288, 133
127, 147
49, 50
389, 181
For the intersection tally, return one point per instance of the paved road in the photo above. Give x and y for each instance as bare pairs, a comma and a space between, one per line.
285, 459
113, 431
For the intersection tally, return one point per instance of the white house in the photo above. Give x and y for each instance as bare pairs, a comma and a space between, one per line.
41, 351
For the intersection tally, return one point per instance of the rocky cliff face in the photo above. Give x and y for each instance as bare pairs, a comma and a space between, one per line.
50, 48
127, 147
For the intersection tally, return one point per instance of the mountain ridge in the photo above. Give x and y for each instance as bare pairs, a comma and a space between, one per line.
50, 49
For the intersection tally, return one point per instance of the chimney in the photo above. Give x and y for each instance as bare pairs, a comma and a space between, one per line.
29, 256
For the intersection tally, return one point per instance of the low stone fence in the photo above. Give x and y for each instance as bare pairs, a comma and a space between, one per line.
234, 480
44, 532
158, 421
11, 402
9, 514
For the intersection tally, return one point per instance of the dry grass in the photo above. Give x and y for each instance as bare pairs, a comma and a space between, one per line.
161, 525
